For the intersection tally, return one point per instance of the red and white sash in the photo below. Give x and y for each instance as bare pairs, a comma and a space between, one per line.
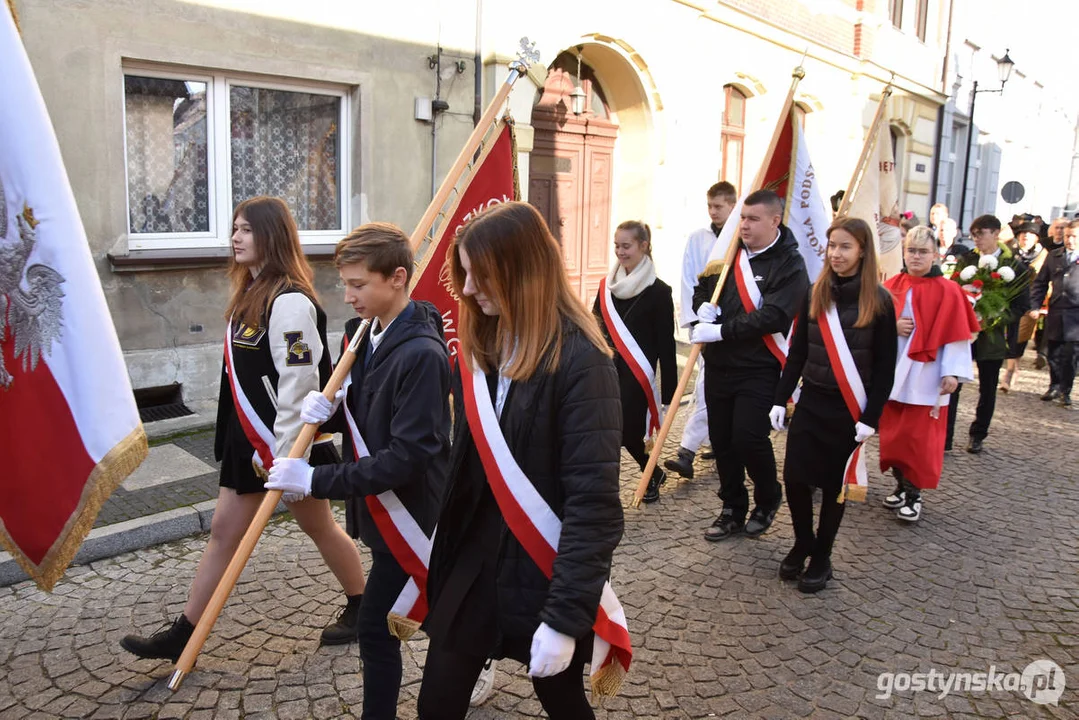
633, 356
260, 436
855, 478
535, 525
752, 300
407, 541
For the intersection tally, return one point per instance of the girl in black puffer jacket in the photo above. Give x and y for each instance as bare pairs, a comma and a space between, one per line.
555, 393
823, 432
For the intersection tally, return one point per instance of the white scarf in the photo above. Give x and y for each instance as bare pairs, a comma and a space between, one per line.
626, 286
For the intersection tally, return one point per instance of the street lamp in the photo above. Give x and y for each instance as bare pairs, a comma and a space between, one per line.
1004, 71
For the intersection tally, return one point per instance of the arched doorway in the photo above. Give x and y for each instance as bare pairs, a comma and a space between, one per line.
570, 171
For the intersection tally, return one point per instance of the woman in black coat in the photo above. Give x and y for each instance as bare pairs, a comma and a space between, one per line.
645, 306
554, 390
823, 432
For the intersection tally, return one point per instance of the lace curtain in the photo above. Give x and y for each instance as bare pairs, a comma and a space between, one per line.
280, 143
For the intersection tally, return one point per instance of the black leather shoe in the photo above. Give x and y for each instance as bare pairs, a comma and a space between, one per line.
682, 464
791, 566
1052, 393
724, 526
651, 494
816, 576
1064, 401
975, 446
167, 644
708, 455
760, 520
346, 628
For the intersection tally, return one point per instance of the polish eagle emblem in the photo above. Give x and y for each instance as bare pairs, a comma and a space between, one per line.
31, 307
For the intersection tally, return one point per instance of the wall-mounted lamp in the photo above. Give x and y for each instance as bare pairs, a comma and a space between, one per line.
577, 97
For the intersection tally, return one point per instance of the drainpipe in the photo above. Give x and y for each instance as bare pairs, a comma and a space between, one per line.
477, 109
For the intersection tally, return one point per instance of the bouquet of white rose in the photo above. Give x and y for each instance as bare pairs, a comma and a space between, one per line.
991, 285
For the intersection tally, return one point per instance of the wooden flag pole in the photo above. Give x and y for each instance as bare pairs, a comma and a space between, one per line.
732, 252
867, 149
307, 434
258, 524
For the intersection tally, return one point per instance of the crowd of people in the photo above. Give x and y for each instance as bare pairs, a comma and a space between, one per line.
521, 475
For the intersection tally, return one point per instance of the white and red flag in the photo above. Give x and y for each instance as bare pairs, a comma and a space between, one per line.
876, 200
69, 428
493, 180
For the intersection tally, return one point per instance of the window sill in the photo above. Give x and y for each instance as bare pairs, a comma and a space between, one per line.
191, 258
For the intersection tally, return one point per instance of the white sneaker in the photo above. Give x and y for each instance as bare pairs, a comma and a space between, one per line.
897, 499
911, 510
485, 684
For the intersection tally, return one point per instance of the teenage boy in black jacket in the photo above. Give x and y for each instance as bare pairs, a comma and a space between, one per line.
398, 398
740, 372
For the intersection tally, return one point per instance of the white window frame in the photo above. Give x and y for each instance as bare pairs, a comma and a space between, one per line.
219, 170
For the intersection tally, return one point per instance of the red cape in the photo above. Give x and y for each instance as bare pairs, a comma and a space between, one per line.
942, 313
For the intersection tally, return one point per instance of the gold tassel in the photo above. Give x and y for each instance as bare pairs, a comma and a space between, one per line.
608, 681
714, 267
856, 493
402, 627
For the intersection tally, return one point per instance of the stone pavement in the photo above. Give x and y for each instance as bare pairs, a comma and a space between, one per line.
988, 578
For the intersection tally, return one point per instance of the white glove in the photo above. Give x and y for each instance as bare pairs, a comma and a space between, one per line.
777, 415
663, 410
290, 498
708, 313
291, 475
316, 409
706, 333
551, 652
863, 432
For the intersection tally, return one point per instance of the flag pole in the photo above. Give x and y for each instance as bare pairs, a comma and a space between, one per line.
186, 662
867, 149
732, 250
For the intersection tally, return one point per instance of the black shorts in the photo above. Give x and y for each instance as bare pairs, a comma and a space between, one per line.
238, 470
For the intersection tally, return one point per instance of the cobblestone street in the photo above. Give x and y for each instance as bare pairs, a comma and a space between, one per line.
988, 577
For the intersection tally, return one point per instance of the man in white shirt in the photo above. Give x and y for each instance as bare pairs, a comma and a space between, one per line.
721, 200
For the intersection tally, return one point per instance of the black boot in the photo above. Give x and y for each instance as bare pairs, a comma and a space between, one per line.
683, 464
167, 644
652, 493
1052, 393
791, 566
816, 576
346, 628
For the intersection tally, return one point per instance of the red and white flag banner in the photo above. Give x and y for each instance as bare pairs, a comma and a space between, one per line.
855, 477
69, 428
634, 357
535, 525
493, 180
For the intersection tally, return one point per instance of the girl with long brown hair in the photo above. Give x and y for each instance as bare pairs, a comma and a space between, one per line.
824, 432
546, 375
275, 353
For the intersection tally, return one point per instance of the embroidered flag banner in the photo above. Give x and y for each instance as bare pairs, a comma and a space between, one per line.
493, 180
69, 428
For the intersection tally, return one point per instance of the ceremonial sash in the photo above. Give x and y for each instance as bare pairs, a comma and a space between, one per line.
855, 477
535, 525
407, 541
260, 436
634, 357
752, 300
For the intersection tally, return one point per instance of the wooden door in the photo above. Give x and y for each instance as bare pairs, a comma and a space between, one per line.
570, 177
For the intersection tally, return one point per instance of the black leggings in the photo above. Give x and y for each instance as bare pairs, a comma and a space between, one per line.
800, 502
448, 679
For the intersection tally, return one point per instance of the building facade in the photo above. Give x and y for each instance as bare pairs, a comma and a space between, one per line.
169, 113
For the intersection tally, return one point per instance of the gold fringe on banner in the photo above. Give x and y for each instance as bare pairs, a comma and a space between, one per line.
402, 627
714, 267
608, 681
117, 464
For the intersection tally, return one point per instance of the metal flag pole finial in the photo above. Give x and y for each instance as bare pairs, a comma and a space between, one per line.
527, 55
